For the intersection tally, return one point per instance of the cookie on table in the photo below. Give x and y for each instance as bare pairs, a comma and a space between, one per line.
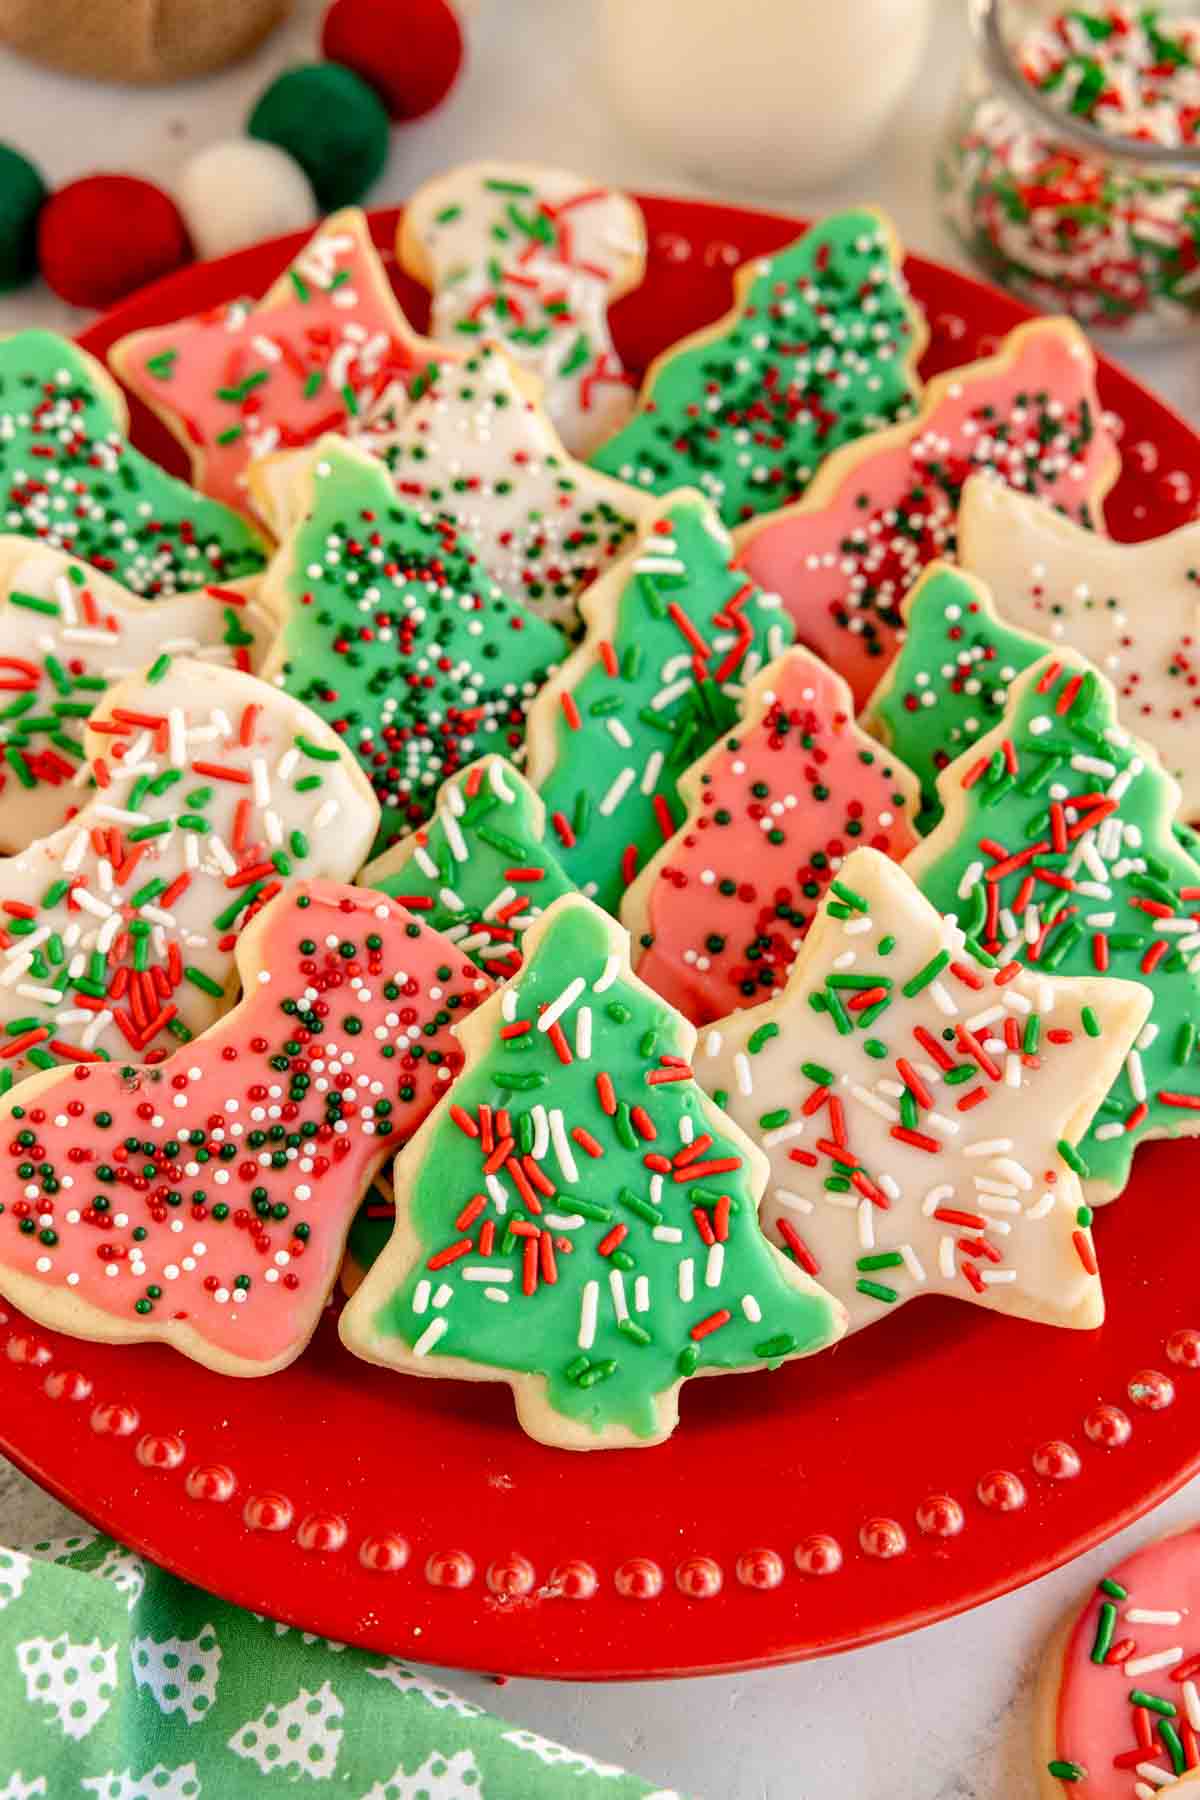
1117, 1713
327, 348
532, 258
480, 871
67, 633
845, 555
211, 791
673, 633
1057, 849
393, 632
718, 914
70, 478
820, 347
1133, 609
919, 1106
476, 450
578, 1219
254, 1142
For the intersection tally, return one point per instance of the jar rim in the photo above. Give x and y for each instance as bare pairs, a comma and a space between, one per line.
984, 16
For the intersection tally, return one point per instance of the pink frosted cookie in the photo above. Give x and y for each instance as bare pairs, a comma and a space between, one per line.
254, 1144
1118, 1707
532, 258
772, 811
844, 557
327, 348
67, 633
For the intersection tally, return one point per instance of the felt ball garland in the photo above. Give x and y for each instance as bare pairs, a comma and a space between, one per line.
317, 137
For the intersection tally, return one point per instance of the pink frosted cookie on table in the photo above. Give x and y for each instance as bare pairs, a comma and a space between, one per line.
67, 634
844, 557
254, 1144
327, 348
772, 811
532, 258
1117, 1714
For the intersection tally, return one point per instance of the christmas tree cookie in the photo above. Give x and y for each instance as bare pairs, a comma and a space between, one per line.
672, 635
118, 931
532, 258
717, 916
477, 452
949, 682
70, 477
845, 556
324, 349
820, 348
1056, 850
480, 872
1133, 609
227, 1240
920, 1105
393, 632
66, 634
579, 1219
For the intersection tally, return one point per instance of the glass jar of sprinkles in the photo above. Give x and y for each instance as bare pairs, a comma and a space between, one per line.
1069, 169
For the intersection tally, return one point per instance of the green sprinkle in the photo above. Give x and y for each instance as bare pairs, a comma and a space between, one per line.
204, 982
1072, 1158
850, 897
33, 603
1113, 1588
763, 1035
688, 1359
318, 754
642, 1208
817, 1072
1165, 1708
1067, 1771
886, 945
923, 977
1090, 1022
141, 833
773, 1347
158, 668
770, 1121
520, 1081
883, 1259
875, 1290
1104, 1631
1171, 1739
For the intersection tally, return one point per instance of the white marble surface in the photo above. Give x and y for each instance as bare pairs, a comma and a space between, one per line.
943, 1715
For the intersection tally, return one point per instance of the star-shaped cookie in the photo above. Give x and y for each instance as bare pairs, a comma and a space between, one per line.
920, 1106
325, 349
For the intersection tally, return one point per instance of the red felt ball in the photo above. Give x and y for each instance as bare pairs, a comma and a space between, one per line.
409, 51
104, 236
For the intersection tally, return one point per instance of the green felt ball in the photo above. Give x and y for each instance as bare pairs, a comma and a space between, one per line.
332, 123
22, 192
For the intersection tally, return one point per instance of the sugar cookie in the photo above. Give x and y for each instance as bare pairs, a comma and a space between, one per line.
253, 1143
672, 634
211, 790
67, 633
71, 479
392, 632
578, 1219
533, 258
325, 346
1056, 849
920, 1106
845, 556
820, 348
717, 916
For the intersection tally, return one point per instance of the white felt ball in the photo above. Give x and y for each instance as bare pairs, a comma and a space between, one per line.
239, 192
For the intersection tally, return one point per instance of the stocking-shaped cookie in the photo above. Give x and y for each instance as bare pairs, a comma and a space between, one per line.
532, 258
717, 916
672, 634
1056, 850
327, 348
480, 872
204, 1201
70, 477
1133, 609
212, 790
578, 1219
820, 347
392, 632
844, 557
476, 451
920, 1107
67, 633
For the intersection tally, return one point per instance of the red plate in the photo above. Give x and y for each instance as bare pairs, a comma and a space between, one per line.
918, 1469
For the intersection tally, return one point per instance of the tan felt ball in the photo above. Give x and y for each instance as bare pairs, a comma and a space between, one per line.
138, 40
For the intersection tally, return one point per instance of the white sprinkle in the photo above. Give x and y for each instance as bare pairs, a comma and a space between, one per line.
588, 1309
995, 1277
583, 1033
742, 1072
1145, 1615
608, 976
558, 1007
988, 1147
616, 1287
912, 1262
946, 1264
752, 1309
1191, 1700
785, 1197
714, 1265
430, 1336
667, 1234
1147, 1665
454, 836
619, 789
485, 1272
562, 1146
687, 1280
641, 1293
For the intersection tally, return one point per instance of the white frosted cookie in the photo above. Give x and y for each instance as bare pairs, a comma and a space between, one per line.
1132, 609
532, 258
477, 451
67, 633
212, 791
919, 1107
